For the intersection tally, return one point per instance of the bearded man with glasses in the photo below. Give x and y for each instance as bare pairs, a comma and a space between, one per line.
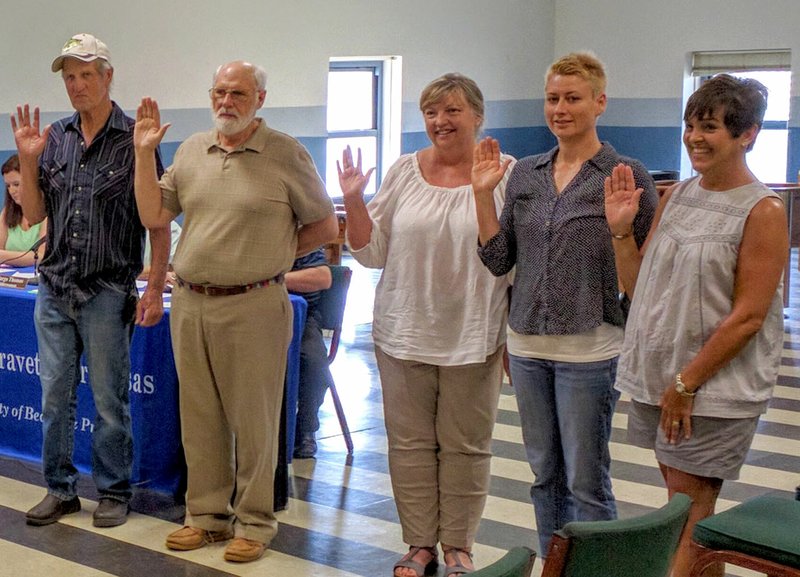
252, 202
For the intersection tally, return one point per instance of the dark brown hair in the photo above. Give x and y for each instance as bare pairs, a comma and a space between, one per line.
742, 101
13, 211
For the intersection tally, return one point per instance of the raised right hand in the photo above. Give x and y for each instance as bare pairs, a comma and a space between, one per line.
30, 142
148, 131
352, 180
621, 199
488, 167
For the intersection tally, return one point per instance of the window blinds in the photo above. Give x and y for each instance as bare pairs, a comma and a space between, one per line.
709, 63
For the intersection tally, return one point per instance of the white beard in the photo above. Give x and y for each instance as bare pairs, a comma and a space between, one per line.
228, 126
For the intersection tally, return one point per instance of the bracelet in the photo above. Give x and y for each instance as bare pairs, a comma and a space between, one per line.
681, 388
622, 236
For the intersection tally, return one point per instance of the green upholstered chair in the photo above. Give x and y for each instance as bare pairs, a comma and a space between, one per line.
761, 534
518, 562
331, 308
638, 547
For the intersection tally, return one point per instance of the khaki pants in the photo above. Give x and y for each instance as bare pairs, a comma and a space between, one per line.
230, 352
439, 423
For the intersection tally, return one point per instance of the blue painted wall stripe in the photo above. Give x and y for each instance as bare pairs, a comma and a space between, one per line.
646, 129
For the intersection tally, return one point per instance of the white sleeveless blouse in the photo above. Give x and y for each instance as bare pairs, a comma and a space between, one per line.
684, 291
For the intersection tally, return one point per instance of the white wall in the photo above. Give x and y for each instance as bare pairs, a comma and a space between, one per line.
645, 43
168, 49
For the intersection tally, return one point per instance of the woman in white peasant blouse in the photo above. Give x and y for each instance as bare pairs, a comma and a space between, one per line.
438, 328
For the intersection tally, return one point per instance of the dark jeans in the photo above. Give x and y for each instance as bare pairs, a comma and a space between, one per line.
314, 378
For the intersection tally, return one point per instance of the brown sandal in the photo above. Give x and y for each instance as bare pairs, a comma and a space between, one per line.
457, 568
408, 561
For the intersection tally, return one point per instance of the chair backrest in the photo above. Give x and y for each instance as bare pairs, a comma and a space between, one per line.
518, 562
663, 185
331, 305
639, 547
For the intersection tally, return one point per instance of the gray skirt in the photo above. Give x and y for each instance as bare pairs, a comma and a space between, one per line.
717, 448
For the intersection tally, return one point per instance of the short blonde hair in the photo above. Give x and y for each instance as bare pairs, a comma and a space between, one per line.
583, 64
447, 84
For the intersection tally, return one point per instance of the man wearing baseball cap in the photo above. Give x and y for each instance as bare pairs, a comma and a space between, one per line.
78, 172
83, 47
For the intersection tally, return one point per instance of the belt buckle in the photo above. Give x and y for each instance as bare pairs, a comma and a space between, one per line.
215, 291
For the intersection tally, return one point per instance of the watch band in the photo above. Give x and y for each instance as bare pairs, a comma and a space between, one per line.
681, 387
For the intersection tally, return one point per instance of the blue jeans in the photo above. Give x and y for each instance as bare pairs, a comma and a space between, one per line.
565, 410
102, 327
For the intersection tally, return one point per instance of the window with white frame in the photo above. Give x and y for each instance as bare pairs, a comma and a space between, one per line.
772, 68
363, 111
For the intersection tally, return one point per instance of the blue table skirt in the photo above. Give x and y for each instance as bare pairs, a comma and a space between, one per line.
158, 455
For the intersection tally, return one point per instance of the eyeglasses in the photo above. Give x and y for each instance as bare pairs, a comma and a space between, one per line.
219, 94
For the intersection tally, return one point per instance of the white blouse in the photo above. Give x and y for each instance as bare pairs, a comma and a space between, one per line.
435, 302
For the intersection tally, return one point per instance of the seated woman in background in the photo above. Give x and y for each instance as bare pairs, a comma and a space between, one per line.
17, 235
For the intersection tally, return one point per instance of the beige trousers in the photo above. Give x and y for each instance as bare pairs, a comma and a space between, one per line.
439, 423
230, 352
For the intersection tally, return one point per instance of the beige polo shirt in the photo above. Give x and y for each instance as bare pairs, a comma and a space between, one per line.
241, 208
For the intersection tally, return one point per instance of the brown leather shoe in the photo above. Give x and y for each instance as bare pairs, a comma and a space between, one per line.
110, 513
242, 550
190, 538
51, 509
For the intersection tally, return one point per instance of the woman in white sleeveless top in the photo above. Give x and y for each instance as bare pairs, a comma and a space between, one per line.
704, 336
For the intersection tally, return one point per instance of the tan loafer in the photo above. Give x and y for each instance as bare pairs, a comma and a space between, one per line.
242, 550
190, 538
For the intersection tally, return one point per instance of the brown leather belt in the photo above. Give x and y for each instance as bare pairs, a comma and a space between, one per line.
222, 291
